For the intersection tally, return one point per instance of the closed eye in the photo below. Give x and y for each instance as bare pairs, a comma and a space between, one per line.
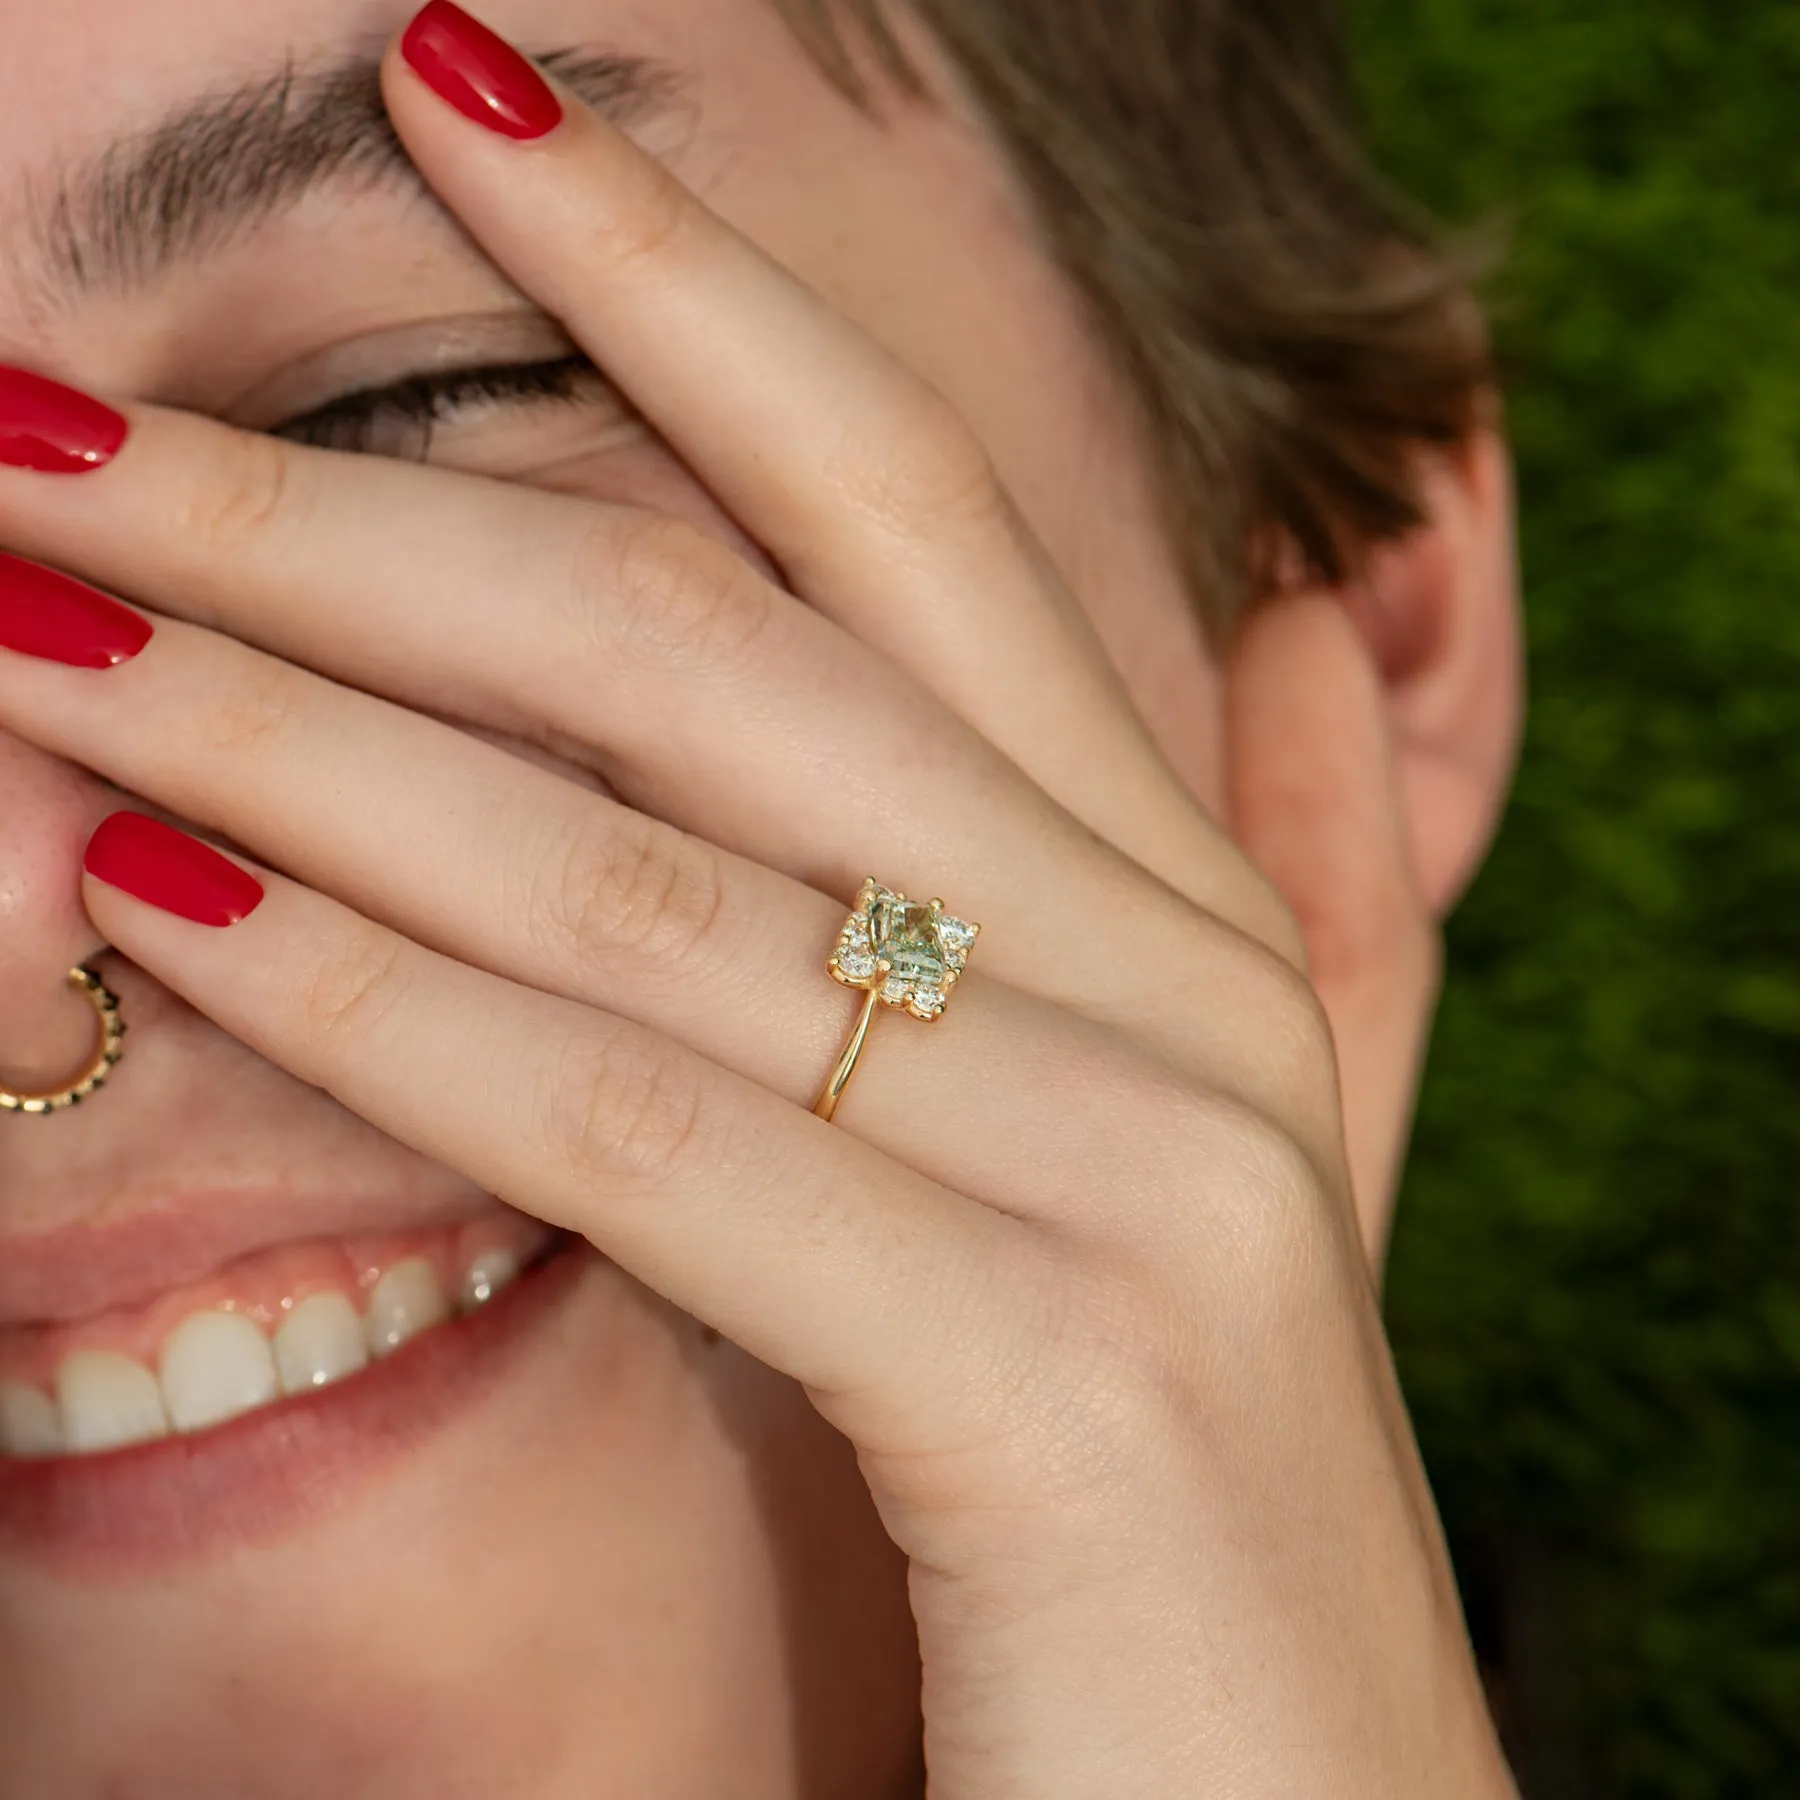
412, 409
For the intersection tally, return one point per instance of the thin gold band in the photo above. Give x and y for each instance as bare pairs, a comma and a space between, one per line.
112, 1029
845, 1067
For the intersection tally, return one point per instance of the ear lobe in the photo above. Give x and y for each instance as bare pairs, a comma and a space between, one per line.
1440, 613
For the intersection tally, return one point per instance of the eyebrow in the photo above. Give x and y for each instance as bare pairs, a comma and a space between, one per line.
211, 172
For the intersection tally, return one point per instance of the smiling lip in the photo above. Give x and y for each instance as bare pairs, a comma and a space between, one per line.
81, 1270
135, 1512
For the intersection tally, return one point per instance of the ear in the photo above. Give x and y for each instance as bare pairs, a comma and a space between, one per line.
1440, 614
1370, 741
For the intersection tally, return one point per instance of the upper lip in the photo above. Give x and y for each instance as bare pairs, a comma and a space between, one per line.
95, 1266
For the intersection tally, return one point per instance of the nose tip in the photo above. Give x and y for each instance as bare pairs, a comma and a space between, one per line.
48, 810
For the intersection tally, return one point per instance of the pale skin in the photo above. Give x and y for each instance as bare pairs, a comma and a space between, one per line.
1066, 1321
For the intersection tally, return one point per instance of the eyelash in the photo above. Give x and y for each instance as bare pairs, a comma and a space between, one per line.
423, 402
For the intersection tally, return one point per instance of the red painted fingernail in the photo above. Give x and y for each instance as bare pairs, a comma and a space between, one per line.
44, 425
479, 73
166, 868
54, 616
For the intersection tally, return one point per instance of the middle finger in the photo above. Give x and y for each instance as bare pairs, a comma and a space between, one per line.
636, 643
510, 869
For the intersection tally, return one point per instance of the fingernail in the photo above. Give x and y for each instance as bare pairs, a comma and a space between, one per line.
46, 426
479, 73
168, 869
54, 616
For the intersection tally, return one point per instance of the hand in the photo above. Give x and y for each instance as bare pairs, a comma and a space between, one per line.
1077, 1268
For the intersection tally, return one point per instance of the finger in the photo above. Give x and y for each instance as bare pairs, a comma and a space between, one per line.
805, 1245
500, 864
696, 688
637, 643
875, 497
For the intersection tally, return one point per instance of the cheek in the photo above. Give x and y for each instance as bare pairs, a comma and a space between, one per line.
635, 1542
48, 810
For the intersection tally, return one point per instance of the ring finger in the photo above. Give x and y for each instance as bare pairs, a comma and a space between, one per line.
509, 868
644, 648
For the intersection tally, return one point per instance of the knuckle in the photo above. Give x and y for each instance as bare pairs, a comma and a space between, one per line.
1266, 1205
1251, 1174
930, 470
1255, 908
625, 1109
247, 496
633, 886
1289, 1063
676, 592
254, 702
1278, 925
1297, 1035
354, 986
647, 229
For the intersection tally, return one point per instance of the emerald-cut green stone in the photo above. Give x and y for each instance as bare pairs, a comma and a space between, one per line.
905, 935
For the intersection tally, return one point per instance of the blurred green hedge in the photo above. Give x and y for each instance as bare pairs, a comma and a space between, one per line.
1595, 1283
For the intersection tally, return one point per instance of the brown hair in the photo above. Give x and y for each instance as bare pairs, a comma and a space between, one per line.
1293, 331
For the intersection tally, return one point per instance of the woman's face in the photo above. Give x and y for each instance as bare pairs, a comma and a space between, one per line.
574, 1546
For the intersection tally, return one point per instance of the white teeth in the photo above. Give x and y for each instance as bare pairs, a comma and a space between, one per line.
320, 1341
215, 1365
486, 1276
108, 1401
30, 1424
408, 1299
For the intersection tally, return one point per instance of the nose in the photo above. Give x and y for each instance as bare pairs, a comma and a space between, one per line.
48, 810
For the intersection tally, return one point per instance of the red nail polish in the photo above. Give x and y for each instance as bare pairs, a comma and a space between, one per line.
479, 73
44, 425
166, 868
54, 616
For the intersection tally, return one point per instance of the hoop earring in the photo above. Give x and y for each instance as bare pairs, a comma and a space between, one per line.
112, 1030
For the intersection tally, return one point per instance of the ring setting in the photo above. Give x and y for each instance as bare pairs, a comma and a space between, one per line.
910, 954
904, 954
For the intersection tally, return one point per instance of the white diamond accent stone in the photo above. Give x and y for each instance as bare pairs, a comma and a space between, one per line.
894, 991
929, 1000
856, 957
955, 934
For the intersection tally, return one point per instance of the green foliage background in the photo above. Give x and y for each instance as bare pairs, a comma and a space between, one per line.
1595, 1284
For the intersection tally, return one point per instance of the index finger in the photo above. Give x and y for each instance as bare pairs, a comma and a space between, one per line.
856, 474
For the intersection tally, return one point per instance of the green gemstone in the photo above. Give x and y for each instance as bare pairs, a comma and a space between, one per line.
905, 935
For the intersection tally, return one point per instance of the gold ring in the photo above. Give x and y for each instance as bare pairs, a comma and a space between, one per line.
112, 1030
903, 955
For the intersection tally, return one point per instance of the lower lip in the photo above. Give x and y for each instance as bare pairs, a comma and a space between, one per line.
140, 1510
